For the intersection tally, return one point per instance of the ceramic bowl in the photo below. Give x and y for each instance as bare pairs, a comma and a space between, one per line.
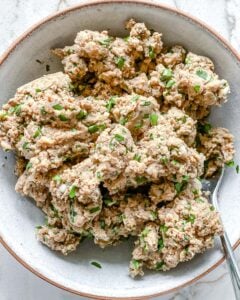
19, 216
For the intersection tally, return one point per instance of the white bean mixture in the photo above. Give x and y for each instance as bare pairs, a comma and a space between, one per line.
115, 146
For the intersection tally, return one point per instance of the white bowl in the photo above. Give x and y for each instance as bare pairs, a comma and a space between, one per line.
18, 216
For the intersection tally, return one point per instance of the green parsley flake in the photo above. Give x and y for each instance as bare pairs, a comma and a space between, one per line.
37, 133
153, 119
43, 111
119, 137
57, 107
72, 192
151, 52
106, 42
180, 186
63, 118
160, 244
109, 201
94, 209
237, 169
140, 179
96, 128
37, 90
81, 115
120, 62
230, 163
110, 104
29, 165
196, 88
135, 264
204, 128
123, 120
163, 228
202, 74
26, 146
96, 264
166, 74
170, 83
159, 265
191, 218
135, 98
137, 157
57, 178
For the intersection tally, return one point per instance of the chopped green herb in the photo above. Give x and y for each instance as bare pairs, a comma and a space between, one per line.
95, 128
153, 215
96, 264
170, 83
137, 157
140, 179
43, 111
191, 218
63, 118
151, 52
94, 209
120, 62
3, 115
135, 264
139, 124
26, 146
212, 208
15, 109
153, 119
102, 224
37, 90
37, 133
126, 38
146, 103
110, 104
72, 213
81, 115
230, 163
123, 120
180, 186
160, 244
187, 60
106, 42
204, 128
119, 137
159, 265
57, 178
201, 73
57, 107
163, 228
196, 88
109, 201
166, 74
164, 160
99, 175
199, 200
29, 165
135, 98
72, 192
38, 227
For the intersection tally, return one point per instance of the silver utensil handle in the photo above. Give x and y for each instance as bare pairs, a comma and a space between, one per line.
232, 264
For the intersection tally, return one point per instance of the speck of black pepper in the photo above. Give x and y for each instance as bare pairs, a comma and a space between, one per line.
47, 68
5, 157
39, 61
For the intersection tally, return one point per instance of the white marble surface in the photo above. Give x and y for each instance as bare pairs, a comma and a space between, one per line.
17, 283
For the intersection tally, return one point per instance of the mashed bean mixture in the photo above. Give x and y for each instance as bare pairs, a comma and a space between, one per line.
115, 145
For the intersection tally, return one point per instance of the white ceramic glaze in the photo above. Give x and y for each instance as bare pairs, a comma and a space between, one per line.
18, 215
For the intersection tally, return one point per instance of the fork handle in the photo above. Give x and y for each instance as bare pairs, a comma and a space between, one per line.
232, 264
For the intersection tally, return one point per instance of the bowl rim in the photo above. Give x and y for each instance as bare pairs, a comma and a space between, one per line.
92, 3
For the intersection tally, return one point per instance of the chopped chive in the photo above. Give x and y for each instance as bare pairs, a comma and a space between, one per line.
96, 264
204, 128
191, 218
201, 73
37, 90
106, 42
72, 192
95, 128
120, 62
146, 103
163, 228
25, 146
159, 265
160, 244
153, 119
57, 107
180, 186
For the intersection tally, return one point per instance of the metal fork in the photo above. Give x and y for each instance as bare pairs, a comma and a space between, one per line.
213, 186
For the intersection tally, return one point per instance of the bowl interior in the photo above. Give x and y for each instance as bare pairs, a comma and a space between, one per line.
19, 216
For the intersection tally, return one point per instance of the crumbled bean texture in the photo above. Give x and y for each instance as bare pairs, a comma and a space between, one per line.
114, 146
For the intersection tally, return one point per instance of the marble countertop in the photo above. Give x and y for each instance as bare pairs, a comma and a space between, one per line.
17, 283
